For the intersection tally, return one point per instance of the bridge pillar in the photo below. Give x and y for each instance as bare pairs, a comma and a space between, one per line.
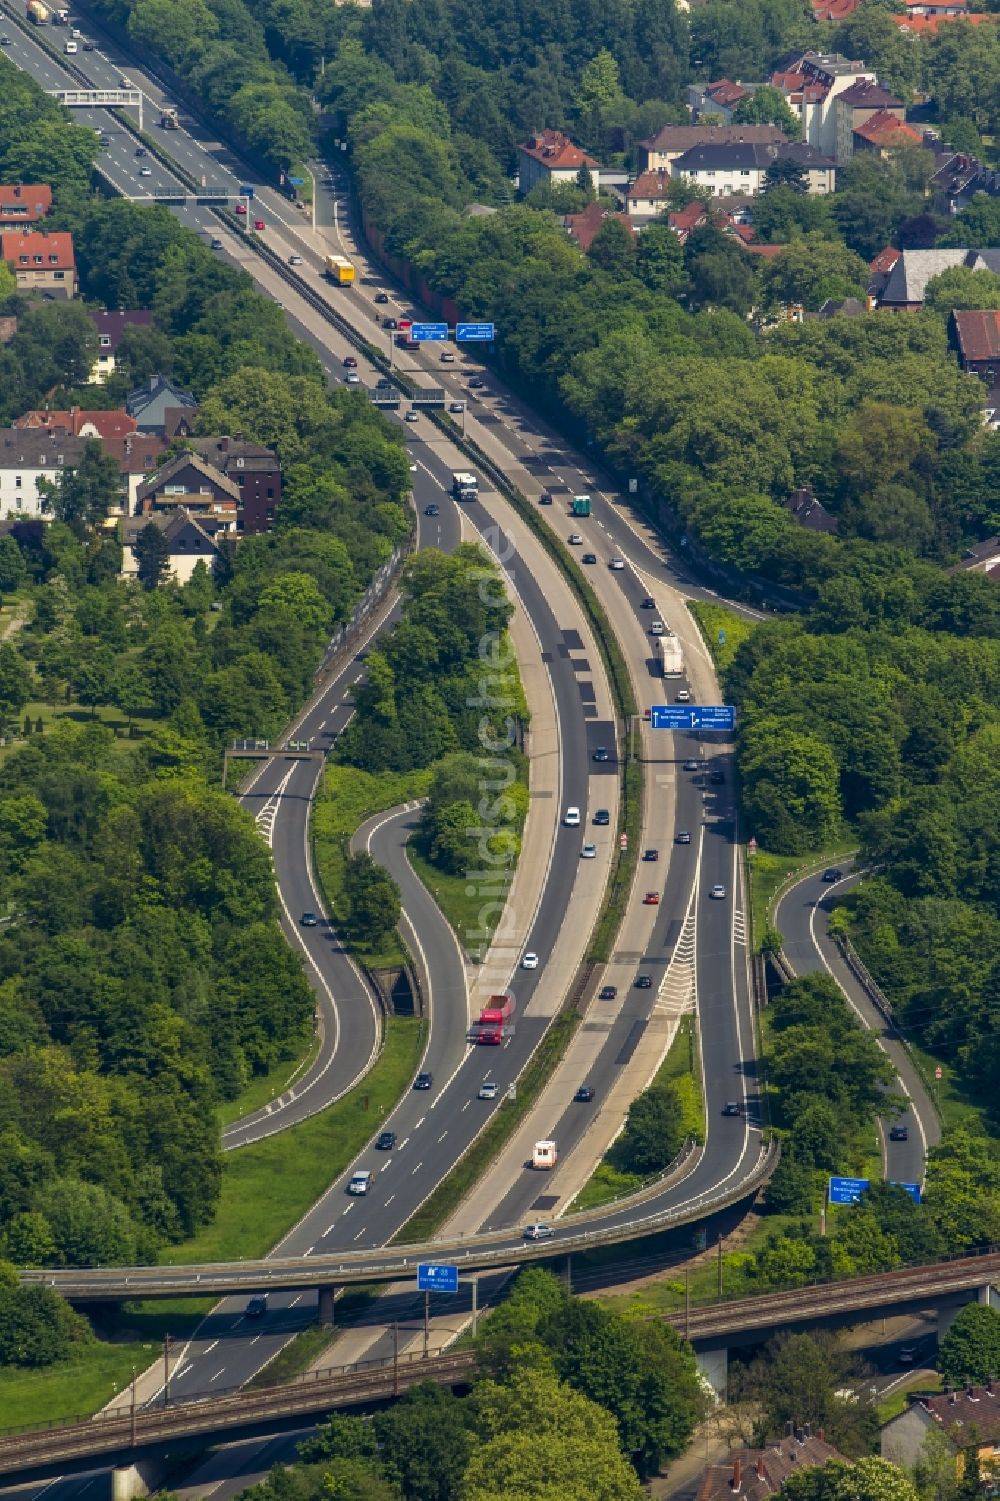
129, 1482
989, 1296
713, 1368
326, 1297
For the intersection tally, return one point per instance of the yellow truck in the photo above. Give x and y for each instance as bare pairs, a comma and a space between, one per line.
340, 270
38, 12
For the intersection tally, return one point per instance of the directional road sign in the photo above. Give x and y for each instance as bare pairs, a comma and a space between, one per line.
692, 717
296, 182
428, 333
465, 333
913, 1189
433, 1278
847, 1190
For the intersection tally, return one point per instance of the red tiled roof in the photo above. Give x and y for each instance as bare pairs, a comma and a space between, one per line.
108, 423
885, 260
687, 218
725, 92
924, 5
922, 25
978, 333
584, 227
23, 203
767, 251
884, 129
653, 184
755, 1474
555, 150
21, 249
834, 10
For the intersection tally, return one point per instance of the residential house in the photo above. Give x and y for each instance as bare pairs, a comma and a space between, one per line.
720, 98
977, 335
671, 141
981, 557
23, 203
8, 328
256, 472
687, 219
189, 482
549, 156
882, 133
756, 1474
138, 456
79, 422
740, 168
915, 24
854, 107
834, 10
647, 196
26, 457
812, 82
968, 1419
958, 177
906, 283
42, 262
110, 327
808, 511
161, 407
991, 412
584, 227
190, 541
842, 307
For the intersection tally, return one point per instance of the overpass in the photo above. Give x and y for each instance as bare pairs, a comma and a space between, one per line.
121, 1437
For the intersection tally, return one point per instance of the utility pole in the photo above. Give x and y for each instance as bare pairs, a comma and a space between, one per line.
395, 1360
687, 1301
133, 1407
427, 1323
166, 1368
720, 1268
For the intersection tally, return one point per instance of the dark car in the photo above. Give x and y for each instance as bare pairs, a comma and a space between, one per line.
389, 323
590, 557
350, 362
216, 244
381, 297
476, 383
140, 151
584, 1095
423, 1081
601, 754
257, 1306
717, 778
386, 1141
545, 499
608, 993
643, 982
683, 837
5, 41
730, 1108
88, 46
833, 874
308, 920
650, 854
692, 765
432, 510
649, 603
899, 1133
602, 818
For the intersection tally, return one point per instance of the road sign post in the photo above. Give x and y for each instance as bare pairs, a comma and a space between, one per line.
847, 1190
428, 333
692, 717
469, 333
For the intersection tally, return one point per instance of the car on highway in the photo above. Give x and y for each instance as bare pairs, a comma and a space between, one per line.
650, 855
105, 140
88, 46
259, 224
456, 406
308, 920
145, 171
588, 852
731, 1108
381, 298
649, 603
692, 765
530, 960
682, 696
683, 837
488, 1089
608, 993
241, 209
389, 323
432, 510
643, 982
140, 151
5, 41
571, 818
656, 629
833, 874
717, 777
295, 260
361, 1182
423, 1080
447, 358
385, 1141
545, 499
584, 1095
350, 362
717, 892
589, 557
476, 383
352, 378
412, 417
574, 539
616, 564
899, 1133
257, 1306
908, 1354
538, 1232
651, 899
602, 818
216, 244
601, 754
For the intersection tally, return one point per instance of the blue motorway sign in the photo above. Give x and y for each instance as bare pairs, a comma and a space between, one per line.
296, 181
692, 717
433, 1278
913, 1189
847, 1190
468, 332
428, 333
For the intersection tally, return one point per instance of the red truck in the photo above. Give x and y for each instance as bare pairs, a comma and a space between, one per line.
495, 1018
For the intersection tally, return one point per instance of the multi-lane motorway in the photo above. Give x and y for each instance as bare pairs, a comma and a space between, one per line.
433, 1129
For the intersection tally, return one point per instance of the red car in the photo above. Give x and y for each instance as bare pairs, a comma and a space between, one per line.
241, 208
651, 899
259, 224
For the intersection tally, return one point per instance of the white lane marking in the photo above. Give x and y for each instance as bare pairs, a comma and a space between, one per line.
388, 1201
209, 1348
417, 1168
442, 1137
217, 1375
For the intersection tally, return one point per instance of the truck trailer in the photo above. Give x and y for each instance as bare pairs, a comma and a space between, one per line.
671, 657
38, 12
495, 1019
544, 1156
340, 270
168, 118
464, 486
580, 505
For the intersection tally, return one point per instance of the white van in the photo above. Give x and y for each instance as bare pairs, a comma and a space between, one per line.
360, 1183
70, 48
544, 1155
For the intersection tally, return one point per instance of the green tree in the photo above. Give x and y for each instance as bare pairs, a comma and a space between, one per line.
373, 899
152, 554
613, 248
791, 786
12, 566
970, 1351
786, 172
653, 1132
811, 270
868, 1479
424, 1442
15, 682
298, 595
960, 287
173, 27
659, 259
768, 106
82, 497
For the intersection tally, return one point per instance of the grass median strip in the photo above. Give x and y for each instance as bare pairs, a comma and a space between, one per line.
74, 1388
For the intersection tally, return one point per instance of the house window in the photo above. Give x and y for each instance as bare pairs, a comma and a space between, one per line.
239, 463
105, 341
39, 260
17, 482
58, 276
744, 171
53, 260
59, 459
175, 490
270, 492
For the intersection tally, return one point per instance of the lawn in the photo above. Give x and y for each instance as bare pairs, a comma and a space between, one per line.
715, 622
955, 1107
71, 1388
266, 1087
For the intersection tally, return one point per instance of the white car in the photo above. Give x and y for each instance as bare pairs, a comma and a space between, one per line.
295, 260
616, 565
530, 961
682, 696
360, 1183
538, 1232
145, 171
352, 378
571, 818
656, 629
413, 417
489, 1089
575, 540
718, 892
589, 852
